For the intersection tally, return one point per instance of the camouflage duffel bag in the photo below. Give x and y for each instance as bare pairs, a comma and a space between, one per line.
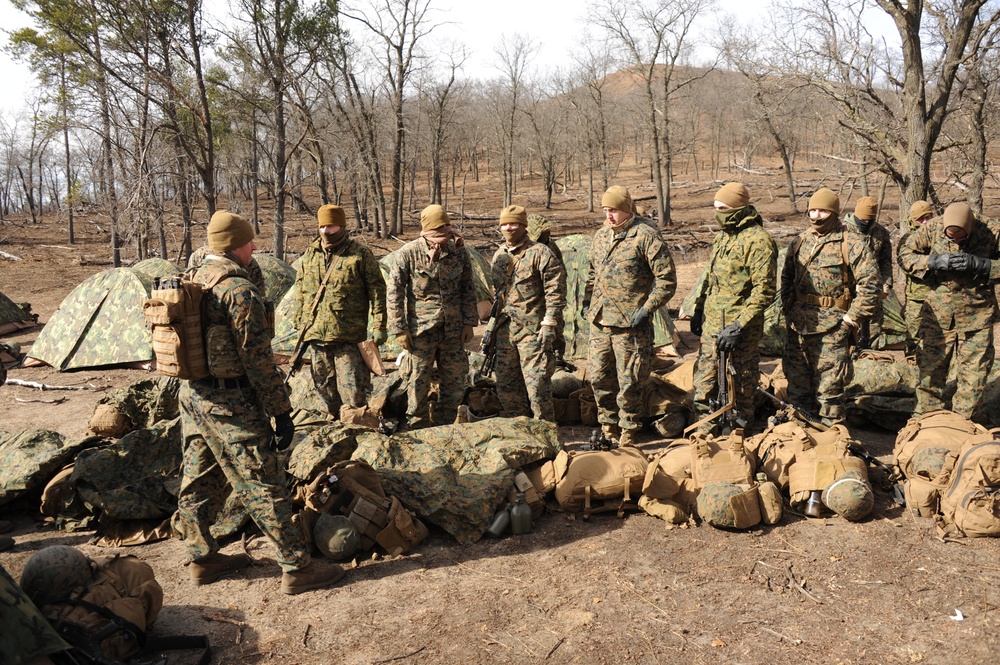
597, 481
921, 449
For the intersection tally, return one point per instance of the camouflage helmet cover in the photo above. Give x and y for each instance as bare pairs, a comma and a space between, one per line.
850, 496
928, 462
537, 224
53, 573
336, 537
714, 503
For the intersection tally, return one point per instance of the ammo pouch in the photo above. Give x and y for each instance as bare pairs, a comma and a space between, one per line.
722, 459
385, 522
818, 467
223, 359
532, 497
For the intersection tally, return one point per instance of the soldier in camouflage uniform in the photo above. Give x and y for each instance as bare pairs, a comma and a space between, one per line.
729, 315
533, 282
432, 313
27, 636
829, 285
226, 422
958, 258
540, 230
631, 275
862, 222
354, 285
916, 289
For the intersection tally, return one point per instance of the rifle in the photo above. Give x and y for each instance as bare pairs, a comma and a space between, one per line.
488, 347
891, 482
864, 339
726, 397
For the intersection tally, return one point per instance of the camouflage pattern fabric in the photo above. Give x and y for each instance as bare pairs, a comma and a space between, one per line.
321, 448
13, 317
816, 358
26, 633
447, 352
576, 258
277, 275
881, 390
99, 323
619, 366
458, 475
877, 238
354, 287
915, 292
227, 431
741, 285
157, 267
30, 458
988, 410
340, 374
534, 283
956, 317
146, 401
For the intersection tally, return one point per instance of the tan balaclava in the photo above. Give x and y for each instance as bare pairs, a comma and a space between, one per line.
514, 215
435, 228
959, 215
228, 231
332, 216
824, 199
865, 212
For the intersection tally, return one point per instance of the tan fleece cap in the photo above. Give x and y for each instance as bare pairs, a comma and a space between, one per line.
825, 199
331, 215
921, 209
228, 231
617, 197
960, 215
866, 208
733, 194
433, 217
514, 215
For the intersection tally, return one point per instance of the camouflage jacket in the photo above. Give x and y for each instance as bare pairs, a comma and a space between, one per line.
535, 283
235, 302
957, 300
627, 271
815, 270
916, 288
423, 294
741, 279
355, 286
879, 242
253, 271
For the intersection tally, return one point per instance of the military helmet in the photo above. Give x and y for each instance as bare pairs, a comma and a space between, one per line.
850, 496
565, 383
336, 537
51, 574
714, 504
928, 462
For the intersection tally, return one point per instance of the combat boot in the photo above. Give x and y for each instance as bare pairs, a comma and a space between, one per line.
627, 439
6, 542
208, 569
5, 526
311, 577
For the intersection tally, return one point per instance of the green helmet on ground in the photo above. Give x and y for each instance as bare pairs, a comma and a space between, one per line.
714, 503
850, 496
336, 537
928, 462
53, 573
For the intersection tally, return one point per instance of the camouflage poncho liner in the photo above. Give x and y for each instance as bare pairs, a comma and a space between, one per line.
29, 459
456, 476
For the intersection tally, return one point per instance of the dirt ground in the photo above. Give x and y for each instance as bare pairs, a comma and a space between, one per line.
607, 590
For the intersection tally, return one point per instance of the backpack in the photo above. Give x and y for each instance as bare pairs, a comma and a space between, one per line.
922, 447
970, 505
173, 312
614, 477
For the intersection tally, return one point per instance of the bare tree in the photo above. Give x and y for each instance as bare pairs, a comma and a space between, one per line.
514, 55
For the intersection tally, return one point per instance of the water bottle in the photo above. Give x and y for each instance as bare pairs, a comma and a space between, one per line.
520, 516
814, 506
500, 522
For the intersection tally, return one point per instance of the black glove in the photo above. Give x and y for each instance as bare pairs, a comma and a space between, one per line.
968, 263
958, 262
980, 265
639, 318
284, 430
697, 320
728, 337
938, 261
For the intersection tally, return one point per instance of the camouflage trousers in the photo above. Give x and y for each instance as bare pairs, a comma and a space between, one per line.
452, 362
968, 354
524, 373
26, 633
227, 442
745, 361
911, 315
619, 366
817, 367
340, 374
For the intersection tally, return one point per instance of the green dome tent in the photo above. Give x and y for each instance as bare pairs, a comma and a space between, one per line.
99, 323
13, 317
156, 267
278, 276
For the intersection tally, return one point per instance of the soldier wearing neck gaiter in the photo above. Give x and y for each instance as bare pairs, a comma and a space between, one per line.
829, 284
863, 222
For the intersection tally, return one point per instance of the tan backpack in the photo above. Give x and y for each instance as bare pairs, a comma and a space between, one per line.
971, 503
820, 465
612, 477
173, 312
921, 450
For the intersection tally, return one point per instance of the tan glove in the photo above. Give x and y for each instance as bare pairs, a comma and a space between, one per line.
405, 341
466, 335
547, 335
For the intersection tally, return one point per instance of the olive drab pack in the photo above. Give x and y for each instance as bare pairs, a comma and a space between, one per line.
922, 447
970, 505
173, 313
600, 480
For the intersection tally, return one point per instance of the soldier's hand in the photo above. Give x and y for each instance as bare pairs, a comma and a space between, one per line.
886, 290
938, 261
959, 262
466, 335
547, 335
284, 430
640, 317
405, 341
728, 337
379, 336
849, 322
980, 265
697, 320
